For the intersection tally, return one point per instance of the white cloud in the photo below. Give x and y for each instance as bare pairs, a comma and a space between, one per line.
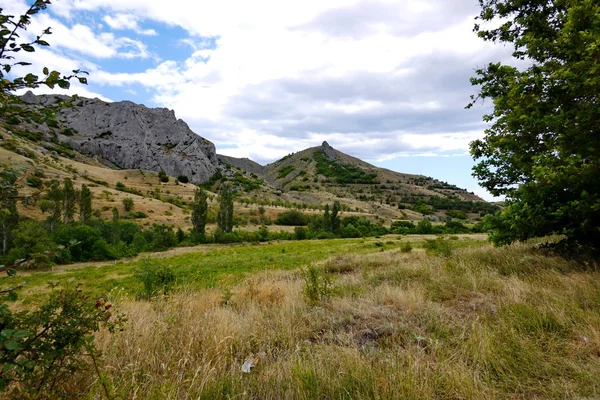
379, 79
127, 21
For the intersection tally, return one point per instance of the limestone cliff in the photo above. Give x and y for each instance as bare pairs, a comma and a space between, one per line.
133, 136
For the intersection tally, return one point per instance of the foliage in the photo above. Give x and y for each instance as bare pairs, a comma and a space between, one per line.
542, 150
225, 214
317, 285
183, 178
31, 242
340, 172
438, 247
292, 218
199, 211
69, 195
163, 177
213, 179
41, 349
10, 27
285, 171
157, 278
128, 204
9, 215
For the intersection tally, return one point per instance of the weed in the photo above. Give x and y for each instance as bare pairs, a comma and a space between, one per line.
317, 285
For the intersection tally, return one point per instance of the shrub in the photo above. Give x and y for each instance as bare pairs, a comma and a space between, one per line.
438, 247
300, 232
292, 218
42, 349
157, 278
163, 177
317, 285
183, 179
406, 247
128, 204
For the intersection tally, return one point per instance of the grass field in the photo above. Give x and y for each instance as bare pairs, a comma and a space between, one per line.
460, 321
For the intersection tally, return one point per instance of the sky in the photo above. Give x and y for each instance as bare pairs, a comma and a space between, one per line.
384, 81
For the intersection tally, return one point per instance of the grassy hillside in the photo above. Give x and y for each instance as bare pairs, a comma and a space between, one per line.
370, 320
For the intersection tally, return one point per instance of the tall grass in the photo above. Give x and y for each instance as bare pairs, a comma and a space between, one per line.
478, 323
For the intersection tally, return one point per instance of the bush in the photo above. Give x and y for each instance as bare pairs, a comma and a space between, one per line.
163, 177
438, 247
406, 247
292, 218
182, 179
317, 285
157, 278
40, 359
300, 232
128, 204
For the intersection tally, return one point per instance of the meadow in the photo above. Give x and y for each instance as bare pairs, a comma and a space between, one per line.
452, 318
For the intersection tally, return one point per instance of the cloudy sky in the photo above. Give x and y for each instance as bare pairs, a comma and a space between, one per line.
385, 81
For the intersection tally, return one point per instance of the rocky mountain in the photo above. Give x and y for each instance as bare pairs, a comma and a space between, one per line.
132, 136
322, 174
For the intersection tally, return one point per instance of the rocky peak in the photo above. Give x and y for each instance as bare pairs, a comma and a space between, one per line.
133, 136
329, 151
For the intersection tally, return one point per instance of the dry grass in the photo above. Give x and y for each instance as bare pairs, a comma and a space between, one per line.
483, 323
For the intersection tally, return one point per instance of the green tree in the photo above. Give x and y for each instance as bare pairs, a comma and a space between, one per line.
542, 150
69, 200
335, 217
199, 211
163, 177
128, 204
225, 215
85, 204
52, 202
115, 215
9, 216
326, 219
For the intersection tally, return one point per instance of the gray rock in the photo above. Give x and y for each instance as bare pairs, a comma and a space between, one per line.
329, 151
133, 136
244, 163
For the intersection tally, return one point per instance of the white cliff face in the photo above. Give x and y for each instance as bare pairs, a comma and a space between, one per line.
133, 136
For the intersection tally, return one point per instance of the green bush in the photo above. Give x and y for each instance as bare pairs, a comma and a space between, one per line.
128, 204
183, 179
438, 247
163, 177
156, 278
292, 218
43, 348
317, 285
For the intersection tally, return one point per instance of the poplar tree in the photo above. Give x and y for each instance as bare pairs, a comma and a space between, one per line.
200, 211
85, 204
225, 215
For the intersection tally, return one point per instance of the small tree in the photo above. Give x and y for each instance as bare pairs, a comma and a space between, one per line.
327, 219
183, 178
69, 200
163, 177
128, 204
9, 216
85, 204
225, 215
53, 203
199, 211
335, 218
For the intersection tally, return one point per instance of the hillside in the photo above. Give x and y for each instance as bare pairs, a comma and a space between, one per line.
322, 175
117, 148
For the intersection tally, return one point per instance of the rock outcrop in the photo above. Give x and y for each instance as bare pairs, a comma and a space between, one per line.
244, 163
133, 136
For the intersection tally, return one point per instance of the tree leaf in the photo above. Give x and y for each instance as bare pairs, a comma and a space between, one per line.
11, 345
